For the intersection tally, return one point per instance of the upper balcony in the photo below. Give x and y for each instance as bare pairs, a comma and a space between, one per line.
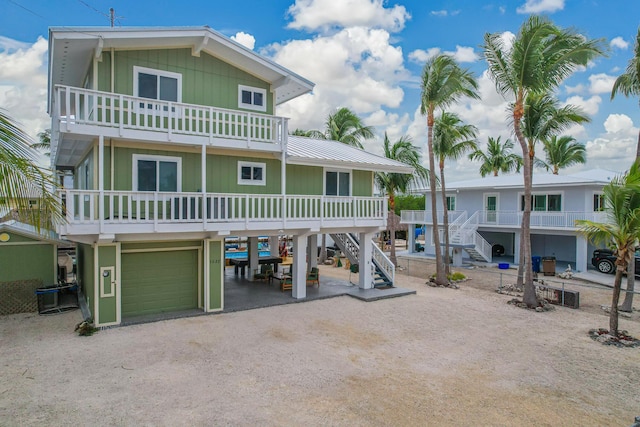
126, 212
510, 219
86, 112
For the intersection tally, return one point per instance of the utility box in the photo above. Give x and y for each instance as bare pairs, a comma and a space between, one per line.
535, 263
549, 266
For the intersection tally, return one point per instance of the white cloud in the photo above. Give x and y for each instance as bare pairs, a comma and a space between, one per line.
246, 40
23, 83
355, 67
601, 83
619, 123
461, 54
579, 88
590, 106
619, 43
324, 14
541, 6
616, 148
439, 12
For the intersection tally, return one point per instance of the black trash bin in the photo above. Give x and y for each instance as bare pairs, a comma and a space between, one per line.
549, 265
535, 263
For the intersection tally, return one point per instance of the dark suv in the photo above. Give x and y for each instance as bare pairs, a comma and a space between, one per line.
605, 261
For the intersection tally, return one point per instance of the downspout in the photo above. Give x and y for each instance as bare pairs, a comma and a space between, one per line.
113, 66
113, 166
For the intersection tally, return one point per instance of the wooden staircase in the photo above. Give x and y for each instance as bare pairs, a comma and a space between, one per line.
384, 270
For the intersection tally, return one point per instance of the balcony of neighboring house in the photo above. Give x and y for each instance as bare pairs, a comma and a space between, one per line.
126, 212
508, 219
79, 113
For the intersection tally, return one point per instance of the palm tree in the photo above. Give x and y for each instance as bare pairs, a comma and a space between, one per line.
451, 140
497, 158
562, 152
44, 143
622, 201
392, 183
444, 82
22, 179
344, 126
628, 83
541, 56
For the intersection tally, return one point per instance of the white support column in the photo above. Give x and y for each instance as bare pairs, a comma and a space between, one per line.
457, 257
516, 248
299, 267
581, 252
365, 266
101, 181
412, 238
312, 251
203, 184
273, 246
253, 254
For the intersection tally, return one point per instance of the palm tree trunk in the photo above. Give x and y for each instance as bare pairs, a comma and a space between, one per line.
529, 296
520, 279
445, 222
392, 228
627, 305
638, 148
613, 314
441, 277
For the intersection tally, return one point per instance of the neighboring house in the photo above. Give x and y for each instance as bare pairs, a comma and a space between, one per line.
28, 260
174, 141
486, 214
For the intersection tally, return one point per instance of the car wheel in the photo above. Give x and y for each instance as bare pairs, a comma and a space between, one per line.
605, 266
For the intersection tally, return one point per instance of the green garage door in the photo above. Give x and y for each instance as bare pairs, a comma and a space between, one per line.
156, 282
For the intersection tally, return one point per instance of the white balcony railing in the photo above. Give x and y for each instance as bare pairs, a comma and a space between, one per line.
561, 220
88, 207
76, 106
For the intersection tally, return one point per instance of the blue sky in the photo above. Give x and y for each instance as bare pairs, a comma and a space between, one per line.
363, 54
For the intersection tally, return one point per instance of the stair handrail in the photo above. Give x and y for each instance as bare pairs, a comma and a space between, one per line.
348, 246
482, 246
455, 225
384, 264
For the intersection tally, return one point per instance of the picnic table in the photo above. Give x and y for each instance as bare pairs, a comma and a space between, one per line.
239, 264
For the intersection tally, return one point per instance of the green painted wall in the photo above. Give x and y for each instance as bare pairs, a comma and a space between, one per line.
304, 180
216, 274
85, 264
107, 305
206, 80
27, 262
362, 183
160, 245
222, 175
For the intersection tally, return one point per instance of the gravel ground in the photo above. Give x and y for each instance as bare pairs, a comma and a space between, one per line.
440, 357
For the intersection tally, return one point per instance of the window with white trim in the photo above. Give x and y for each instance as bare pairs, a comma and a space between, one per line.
252, 98
157, 173
451, 203
543, 202
337, 183
598, 202
252, 173
157, 85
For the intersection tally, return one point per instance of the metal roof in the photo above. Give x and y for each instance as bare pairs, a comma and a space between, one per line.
320, 152
597, 177
72, 49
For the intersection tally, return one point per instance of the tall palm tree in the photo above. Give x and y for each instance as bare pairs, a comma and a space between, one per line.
622, 207
628, 83
562, 152
345, 126
444, 82
22, 179
392, 183
497, 158
452, 138
44, 142
541, 56
301, 132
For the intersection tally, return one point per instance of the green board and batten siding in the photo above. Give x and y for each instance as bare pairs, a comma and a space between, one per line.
107, 257
206, 80
24, 258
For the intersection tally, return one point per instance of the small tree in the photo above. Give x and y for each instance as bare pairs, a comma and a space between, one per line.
497, 158
621, 231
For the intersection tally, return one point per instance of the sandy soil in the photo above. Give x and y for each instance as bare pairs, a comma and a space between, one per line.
441, 357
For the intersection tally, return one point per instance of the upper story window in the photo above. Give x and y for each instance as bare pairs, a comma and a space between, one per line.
157, 173
251, 173
451, 203
337, 183
252, 98
156, 84
598, 202
544, 202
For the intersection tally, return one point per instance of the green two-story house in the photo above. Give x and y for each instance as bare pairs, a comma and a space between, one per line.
174, 143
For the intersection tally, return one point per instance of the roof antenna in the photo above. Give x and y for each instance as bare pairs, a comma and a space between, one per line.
112, 15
